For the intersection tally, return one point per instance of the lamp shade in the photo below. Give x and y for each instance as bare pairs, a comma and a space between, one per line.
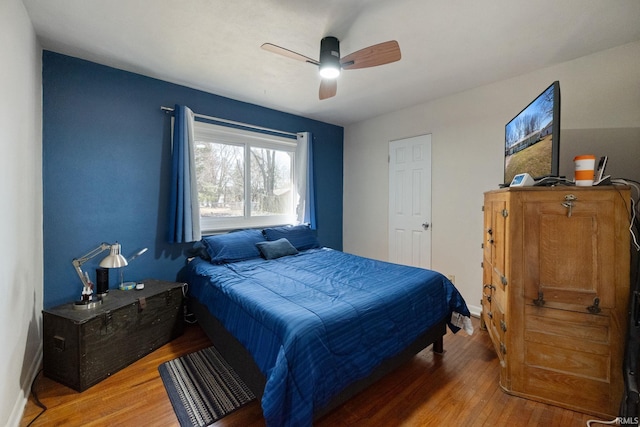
114, 259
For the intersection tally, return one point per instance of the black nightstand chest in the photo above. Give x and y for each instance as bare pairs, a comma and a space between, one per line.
83, 347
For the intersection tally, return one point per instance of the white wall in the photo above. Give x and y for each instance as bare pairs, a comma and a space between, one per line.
600, 115
20, 209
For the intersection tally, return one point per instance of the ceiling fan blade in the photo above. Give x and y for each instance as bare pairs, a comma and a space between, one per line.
378, 54
328, 88
288, 53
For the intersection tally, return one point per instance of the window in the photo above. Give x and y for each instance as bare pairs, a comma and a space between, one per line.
245, 179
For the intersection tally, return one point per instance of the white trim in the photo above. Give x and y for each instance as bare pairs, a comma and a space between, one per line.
23, 397
475, 310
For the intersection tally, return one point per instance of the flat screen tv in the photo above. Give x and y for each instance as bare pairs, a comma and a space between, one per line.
532, 138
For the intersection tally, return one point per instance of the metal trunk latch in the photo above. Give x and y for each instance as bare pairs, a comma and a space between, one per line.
142, 304
107, 323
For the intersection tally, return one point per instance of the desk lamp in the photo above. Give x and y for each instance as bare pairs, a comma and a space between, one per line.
113, 260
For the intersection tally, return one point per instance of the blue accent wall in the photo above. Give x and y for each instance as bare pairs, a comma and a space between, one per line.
106, 168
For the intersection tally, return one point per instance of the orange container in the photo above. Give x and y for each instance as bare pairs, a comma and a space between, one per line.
585, 169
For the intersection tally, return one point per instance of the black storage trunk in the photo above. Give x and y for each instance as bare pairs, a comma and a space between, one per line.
83, 347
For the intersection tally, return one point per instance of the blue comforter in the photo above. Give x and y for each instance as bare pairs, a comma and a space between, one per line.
320, 320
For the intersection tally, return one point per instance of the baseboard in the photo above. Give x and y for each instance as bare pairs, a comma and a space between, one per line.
21, 400
475, 310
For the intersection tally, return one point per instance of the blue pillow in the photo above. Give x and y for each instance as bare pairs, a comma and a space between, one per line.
276, 249
300, 236
235, 246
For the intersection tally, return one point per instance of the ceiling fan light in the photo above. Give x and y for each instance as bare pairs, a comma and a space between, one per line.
329, 71
329, 58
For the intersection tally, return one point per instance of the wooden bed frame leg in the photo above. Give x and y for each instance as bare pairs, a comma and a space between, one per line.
438, 346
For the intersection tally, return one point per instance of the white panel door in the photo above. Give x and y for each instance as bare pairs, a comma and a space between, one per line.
410, 201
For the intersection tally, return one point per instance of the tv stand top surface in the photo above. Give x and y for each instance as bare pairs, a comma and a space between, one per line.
573, 188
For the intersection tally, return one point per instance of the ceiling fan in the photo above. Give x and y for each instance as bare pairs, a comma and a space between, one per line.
330, 62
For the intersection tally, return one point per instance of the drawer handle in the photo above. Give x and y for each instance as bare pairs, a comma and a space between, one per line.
568, 203
503, 348
490, 233
594, 309
540, 301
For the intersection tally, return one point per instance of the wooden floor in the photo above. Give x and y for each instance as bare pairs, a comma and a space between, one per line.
457, 388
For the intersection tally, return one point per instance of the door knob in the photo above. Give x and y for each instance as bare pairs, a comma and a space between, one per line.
425, 225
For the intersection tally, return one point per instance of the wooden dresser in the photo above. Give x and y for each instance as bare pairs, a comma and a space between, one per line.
555, 293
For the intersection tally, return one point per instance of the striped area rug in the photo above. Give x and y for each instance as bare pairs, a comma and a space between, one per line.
203, 387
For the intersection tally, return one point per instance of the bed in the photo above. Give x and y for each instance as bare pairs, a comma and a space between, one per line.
307, 326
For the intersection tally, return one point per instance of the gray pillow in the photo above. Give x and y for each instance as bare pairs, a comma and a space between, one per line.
276, 248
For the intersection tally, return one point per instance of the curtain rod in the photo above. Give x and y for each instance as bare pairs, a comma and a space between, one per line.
231, 122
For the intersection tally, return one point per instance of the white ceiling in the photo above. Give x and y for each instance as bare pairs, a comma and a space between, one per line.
448, 46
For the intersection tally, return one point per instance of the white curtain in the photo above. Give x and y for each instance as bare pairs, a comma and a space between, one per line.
305, 210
